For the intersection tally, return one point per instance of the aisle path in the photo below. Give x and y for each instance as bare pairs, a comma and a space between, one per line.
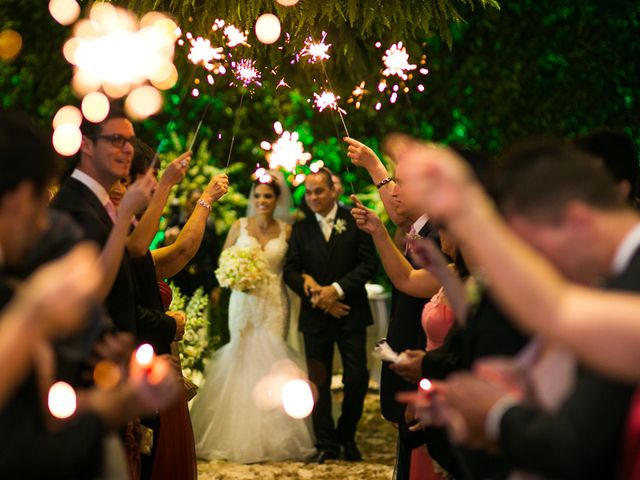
376, 438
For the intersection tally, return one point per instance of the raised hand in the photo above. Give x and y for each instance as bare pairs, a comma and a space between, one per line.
57, 296
217, 187
426, 254
366, 219
339, 310
138, 195
176, 170
361, 155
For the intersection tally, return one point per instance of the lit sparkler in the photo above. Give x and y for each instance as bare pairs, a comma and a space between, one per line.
396, 61
235, 36
203, 52
287, 152
328, 100
246, 72
316, 51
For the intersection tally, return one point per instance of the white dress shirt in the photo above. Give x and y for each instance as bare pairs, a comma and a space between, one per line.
326, 225
97, 189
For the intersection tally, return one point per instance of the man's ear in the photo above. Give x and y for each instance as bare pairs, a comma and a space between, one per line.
578, 216
87, 145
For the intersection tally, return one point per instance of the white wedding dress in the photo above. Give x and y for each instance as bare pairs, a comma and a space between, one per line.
226, 421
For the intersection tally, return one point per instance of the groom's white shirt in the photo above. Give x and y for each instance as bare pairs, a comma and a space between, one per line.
326, 225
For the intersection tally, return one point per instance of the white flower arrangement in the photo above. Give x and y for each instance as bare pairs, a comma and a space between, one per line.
196, 345
242, 268
340, 226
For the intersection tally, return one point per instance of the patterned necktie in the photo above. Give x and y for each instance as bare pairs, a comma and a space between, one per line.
111, 210
410, 236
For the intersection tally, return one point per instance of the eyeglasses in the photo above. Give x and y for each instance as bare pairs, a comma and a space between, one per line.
117, 140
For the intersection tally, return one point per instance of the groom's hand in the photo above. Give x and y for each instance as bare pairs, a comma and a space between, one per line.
324, 297
309, 284
338, 310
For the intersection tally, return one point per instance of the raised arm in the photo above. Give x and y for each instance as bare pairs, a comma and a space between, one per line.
527, 286
363, 156
140, 239
417, 283
171, 259
427, 255
136, 198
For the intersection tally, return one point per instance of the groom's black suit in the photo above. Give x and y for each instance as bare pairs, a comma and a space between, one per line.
349, 259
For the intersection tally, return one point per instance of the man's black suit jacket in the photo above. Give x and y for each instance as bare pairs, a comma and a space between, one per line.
348, 258
582, 439
122, 303
405, 332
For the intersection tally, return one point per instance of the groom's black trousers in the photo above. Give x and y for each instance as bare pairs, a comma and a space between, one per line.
319, 352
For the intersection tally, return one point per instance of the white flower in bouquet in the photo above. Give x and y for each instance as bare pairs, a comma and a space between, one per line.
242, 268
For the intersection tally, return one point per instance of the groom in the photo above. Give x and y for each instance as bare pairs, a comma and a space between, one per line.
328, 263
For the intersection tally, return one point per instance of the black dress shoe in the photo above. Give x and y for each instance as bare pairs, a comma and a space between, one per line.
352, 452
324, 455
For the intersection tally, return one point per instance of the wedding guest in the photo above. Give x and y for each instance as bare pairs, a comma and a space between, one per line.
328, 262
173, 425
404, 331
29, 448
567, 208
619, 155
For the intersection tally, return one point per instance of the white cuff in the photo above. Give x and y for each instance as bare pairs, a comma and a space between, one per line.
494, 417
338, 288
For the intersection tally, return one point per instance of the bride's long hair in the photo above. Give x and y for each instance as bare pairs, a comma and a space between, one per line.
284, 203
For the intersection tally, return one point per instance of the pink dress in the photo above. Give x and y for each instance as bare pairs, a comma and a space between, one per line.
437, 319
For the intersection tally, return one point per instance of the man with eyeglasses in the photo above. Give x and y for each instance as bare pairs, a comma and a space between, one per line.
105, 157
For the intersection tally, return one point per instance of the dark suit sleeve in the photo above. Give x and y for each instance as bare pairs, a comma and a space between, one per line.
439, 363
154, 327
366, 267
581, 440
292, 272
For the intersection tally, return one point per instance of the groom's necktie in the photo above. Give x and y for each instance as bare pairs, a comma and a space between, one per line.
326, 225
111, 210
410, 236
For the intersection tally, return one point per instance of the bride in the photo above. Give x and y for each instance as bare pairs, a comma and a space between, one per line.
227, 422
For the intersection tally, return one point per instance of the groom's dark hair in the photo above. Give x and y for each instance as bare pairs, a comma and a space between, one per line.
326, 173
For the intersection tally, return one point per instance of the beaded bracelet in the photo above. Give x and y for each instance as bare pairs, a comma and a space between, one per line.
204, 204
382, 183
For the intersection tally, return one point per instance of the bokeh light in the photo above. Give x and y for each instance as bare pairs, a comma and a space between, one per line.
297, 398
67, 139
95, 107
67, 114
143, 102
65, 12
62, 400
144, 355
268, 28
10, 44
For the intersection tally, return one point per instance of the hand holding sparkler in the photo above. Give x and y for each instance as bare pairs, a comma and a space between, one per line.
176, 170
362, 156
216, 189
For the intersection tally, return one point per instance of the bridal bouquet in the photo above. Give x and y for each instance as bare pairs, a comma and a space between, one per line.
242, 268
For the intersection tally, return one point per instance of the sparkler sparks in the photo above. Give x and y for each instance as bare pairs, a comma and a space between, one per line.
246, 72
235, 36
316, 51
327, 99
203, 52
287, 152
396, 61
357, 94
